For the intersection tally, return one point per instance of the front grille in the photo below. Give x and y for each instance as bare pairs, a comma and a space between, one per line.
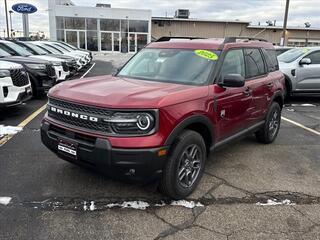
19, 77
50, 70
65, 66
99, 113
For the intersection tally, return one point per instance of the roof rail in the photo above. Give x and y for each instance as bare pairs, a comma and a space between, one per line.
234, 39
167, 38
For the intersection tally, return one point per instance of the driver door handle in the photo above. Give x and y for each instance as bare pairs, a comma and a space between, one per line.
247, 91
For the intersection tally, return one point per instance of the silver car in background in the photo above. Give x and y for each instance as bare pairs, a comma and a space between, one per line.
301, 67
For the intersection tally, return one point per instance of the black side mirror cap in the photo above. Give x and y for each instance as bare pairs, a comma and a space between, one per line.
233, 80
305, 61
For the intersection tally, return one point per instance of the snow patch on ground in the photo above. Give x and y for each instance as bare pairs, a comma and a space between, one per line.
141, 205
274, 202
186, 204
9, 130
303, 105
5, 200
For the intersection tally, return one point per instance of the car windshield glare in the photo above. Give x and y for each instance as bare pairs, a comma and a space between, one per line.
20, 50
182, 66
293, 54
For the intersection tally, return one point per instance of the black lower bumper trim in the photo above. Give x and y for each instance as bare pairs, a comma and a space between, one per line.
141, 165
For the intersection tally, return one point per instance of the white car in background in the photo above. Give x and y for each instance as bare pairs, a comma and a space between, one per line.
16, 50
61, 46
15, 86
51, 49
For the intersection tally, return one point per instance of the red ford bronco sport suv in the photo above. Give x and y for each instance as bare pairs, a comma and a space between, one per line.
167, 108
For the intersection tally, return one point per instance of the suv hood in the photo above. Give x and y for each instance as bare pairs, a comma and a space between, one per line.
117, 92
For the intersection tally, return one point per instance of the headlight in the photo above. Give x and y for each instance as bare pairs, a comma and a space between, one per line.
36, 66
4, 73
132, 122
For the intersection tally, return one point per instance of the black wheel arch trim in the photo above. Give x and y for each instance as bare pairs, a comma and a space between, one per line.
187, 122
275, 95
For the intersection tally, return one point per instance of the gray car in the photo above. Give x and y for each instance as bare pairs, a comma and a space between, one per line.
301, 67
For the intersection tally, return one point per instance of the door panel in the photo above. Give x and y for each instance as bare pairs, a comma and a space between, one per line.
233, 104
308, 76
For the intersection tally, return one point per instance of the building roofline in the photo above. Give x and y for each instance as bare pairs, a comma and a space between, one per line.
196, 20
280, 28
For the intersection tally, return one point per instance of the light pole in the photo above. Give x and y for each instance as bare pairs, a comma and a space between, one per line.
11, 30
6, 10
283, 39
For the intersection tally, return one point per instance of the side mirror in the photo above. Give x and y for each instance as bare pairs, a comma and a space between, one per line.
117, 70
305, 61
233, 80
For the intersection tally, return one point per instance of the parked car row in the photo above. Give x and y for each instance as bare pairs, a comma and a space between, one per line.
31, 68
301, 68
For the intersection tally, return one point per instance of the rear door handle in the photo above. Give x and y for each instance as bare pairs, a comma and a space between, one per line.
270, 85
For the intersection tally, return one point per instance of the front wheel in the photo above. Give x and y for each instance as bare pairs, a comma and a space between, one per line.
185, 165
270, 129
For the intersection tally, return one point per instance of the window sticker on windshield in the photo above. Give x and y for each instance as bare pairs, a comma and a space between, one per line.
305, 50
206, 54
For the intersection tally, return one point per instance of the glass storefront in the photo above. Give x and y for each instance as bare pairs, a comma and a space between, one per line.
112, 35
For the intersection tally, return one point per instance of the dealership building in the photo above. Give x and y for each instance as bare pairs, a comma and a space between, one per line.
99, 28
107, 29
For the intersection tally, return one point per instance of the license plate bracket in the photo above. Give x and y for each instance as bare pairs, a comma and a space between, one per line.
68, 148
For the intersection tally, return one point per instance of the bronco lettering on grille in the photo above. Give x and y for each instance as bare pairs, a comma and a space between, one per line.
74, 115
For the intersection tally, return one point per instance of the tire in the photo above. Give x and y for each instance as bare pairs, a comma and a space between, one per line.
187, 143
267, 134
287, 91
36, 93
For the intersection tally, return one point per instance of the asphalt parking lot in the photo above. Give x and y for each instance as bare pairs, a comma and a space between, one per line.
249, 190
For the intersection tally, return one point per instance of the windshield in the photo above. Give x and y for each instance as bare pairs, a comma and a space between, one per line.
51, 49
4, 53
68, 45
63, 47
293, 54
171, 65
58, 48
35, 48
18, 49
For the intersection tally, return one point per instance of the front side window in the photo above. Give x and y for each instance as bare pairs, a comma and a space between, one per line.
170, 65
254, 63
233, 63
315, 57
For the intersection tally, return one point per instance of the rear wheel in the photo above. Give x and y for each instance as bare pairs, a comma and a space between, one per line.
270, 129
185, 165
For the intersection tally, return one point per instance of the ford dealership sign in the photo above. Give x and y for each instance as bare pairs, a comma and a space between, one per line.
25, 8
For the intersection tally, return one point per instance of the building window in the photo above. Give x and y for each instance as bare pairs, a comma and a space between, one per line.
109, 24
91, 23
92, 40
138, 26
74, 23
124, 25
59, 23
60, 35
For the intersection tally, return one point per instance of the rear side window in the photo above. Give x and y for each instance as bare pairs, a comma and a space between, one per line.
315, 57
254, 63
271, 60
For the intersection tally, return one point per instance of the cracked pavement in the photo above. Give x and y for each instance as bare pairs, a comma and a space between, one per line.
48, 194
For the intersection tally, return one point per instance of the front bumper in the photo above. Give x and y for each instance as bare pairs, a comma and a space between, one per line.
141, 165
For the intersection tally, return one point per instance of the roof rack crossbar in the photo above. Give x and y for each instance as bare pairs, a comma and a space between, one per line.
167, 38
234, 39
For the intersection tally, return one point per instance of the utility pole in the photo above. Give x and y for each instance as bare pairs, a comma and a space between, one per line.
11, 30
283, 39
6, 9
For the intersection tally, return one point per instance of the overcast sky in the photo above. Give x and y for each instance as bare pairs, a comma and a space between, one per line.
301, 11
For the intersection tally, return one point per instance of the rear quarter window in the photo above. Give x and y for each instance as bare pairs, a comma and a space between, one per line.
254, 63
271, 60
